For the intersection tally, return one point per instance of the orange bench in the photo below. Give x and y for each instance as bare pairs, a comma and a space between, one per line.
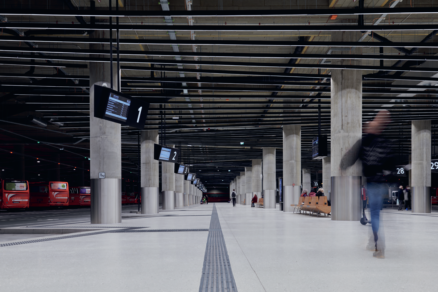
259, 203
315, 205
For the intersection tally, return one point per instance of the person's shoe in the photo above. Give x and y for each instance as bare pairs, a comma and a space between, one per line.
371, 247
380, 254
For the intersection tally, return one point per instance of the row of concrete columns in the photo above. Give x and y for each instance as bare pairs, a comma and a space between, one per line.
346, 129
341, 185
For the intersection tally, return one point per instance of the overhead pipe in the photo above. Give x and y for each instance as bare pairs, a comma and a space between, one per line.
221, 13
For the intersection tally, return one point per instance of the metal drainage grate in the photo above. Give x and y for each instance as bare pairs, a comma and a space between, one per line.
217, 275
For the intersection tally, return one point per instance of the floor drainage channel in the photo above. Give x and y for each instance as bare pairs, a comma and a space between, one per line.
217, 275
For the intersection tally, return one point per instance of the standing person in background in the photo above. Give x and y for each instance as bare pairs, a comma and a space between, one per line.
400, 198
407, 195
233, 196
376, 154
206, 198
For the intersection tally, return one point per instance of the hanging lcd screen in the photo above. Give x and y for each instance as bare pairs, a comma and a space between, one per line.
119, 108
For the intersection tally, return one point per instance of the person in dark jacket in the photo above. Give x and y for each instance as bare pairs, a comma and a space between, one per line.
407, 194
375, 152
400, 197
320, 193
233, 195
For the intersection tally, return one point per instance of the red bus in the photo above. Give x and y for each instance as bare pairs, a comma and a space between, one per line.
434, 195
79, 196
132, 198
14, 194
49, 194
85, 193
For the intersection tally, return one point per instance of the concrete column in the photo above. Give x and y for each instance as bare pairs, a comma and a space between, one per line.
326, 176
291, 166
269, 177
307, 180
191, 195
105, 147
248, 185
346, 129
168, 185
242, 187
421, 173
186, 193
257, 178
179, 190
149, 173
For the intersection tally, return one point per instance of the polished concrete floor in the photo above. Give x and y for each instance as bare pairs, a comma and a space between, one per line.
268, 250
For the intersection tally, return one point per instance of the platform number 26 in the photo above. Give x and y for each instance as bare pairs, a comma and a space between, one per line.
434, 165
400, 170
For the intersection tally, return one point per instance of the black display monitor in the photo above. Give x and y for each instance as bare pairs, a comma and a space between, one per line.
119, 108
190, 176
319, 147
195, 181
181, 169
166, 154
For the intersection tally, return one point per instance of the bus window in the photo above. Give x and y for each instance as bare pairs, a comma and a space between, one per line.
85, 190
15, 186
58, 186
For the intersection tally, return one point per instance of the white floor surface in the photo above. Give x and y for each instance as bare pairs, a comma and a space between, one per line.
269, 250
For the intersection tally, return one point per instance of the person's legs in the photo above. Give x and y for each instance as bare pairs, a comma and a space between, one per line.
234, 202
375, 197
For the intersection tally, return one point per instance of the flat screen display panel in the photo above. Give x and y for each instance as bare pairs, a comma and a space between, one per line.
117, 107
15, 186
190, 176
165, 154
181, 169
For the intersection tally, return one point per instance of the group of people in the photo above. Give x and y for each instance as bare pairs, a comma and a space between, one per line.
233, 197
319, 193
404, 198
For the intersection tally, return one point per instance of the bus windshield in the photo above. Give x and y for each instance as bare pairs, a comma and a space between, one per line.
15, 186
58, 186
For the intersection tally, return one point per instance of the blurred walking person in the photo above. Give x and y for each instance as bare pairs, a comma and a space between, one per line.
375, 152
233, 195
